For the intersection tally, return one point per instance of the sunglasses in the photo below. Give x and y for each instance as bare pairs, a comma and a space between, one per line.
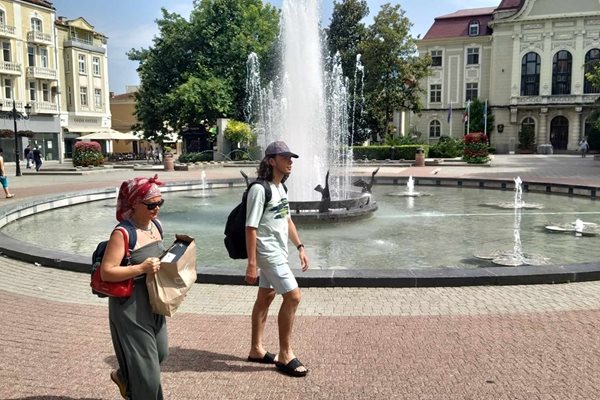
152, 206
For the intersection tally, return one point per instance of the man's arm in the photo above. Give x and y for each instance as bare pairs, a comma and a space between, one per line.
255, 204
251, 269
293, 234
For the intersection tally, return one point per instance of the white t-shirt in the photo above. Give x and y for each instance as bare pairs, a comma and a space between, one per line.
272, 224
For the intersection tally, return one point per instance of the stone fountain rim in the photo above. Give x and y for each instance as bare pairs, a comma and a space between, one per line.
411, 277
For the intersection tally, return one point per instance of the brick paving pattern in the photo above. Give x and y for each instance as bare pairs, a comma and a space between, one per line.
510, 342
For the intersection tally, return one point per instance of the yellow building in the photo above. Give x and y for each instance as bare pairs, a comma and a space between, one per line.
29, 75
84, 99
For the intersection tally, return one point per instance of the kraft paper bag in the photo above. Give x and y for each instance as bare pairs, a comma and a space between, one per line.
169, 285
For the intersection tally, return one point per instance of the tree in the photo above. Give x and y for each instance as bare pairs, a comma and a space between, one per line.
346, 32
477, 122
392, 67
195, 70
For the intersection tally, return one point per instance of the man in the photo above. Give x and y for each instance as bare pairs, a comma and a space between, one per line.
27, 157
37, 158
3, 177
267, 232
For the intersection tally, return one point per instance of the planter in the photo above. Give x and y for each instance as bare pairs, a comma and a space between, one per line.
168, 163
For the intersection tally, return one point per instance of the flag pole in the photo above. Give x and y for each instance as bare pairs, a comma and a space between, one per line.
450, 118
485, 118
468, 117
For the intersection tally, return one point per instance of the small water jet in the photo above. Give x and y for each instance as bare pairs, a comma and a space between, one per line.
205, 192
578, 227
410, 190
518, 202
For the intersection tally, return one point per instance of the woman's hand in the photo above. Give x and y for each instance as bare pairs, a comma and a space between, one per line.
150, 265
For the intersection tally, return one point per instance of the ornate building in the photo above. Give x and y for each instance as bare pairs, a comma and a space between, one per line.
528, 58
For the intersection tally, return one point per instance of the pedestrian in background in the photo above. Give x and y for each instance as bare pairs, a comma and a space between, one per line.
27, 157
584, 146
37, 158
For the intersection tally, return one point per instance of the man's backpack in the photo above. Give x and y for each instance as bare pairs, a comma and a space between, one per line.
235, 228
129, 235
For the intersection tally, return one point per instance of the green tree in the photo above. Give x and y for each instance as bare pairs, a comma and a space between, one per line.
476, 120
195, 70
392, 67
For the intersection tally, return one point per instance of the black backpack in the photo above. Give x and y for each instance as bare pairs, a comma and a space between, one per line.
235, 228
127, 228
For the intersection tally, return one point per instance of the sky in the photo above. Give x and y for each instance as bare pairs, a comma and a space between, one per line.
131, 23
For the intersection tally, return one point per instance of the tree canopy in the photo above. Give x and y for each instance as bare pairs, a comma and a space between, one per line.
195, 70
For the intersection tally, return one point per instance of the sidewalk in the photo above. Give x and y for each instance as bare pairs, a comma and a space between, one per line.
503, 342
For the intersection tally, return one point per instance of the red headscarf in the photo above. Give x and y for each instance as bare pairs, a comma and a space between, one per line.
133, 191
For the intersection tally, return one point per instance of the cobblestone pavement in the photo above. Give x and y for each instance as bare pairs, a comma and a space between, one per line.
510, 342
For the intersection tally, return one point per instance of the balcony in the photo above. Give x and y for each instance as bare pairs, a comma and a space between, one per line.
84, 44
7, 105
41, 73
562, 99
9, 68
44, 107
39, 37
7, 31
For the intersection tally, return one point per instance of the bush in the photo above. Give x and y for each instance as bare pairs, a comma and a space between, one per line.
196, 157
476, 148
239, 132
87, 154
404, 152
526, 137
447, 147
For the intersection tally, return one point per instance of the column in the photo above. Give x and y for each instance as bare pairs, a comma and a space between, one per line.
575, 133
542, 136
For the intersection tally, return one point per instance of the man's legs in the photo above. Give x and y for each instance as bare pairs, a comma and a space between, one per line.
264, 298
285, 319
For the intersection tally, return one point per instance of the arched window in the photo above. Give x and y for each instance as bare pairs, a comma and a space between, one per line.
530, 75
561, 72
527, 134
592, 58
435, 128
528, 123
474, 28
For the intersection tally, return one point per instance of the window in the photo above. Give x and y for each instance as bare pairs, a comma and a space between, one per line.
6, 51
528, 124
436, 58
592, 58
473, 56
2, 18
435, 93
67, 63
8, 88
83, 96
98, 98
435, 128
530, 75
31, 56
471, 92
45, 92
36, 24
69, 96
81, 64
32, 91
44, 57
96, 65
474, 28
561, 73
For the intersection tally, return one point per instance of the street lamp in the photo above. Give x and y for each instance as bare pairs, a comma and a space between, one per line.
14, 111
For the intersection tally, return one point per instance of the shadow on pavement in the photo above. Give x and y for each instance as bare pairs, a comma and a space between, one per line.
181, 359
55, 398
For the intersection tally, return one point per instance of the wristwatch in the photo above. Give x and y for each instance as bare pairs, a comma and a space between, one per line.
300, 245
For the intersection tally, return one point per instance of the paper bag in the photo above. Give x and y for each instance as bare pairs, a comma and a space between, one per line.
168, 286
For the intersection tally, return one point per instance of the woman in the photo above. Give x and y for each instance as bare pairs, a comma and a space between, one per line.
138, 335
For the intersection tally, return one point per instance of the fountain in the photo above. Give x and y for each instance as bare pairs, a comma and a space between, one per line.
307, 107
515, 257
578, 227
410, 190
204, 191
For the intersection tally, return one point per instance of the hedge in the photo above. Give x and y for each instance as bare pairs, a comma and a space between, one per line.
403, 152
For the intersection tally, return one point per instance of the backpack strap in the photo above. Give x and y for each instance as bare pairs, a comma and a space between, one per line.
267, 188
126, 241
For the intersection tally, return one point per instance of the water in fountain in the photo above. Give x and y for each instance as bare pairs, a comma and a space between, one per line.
410, 190
204, 191
517, 202
307, 107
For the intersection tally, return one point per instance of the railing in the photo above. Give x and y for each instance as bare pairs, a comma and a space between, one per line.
554, 99
10, 68
7, 30
7, 105
40, 72
39, 37
80, 40
44, 107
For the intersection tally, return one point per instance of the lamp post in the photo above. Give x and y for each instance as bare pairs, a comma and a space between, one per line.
14, 111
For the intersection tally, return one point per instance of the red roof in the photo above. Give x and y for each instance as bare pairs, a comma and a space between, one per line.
508, 4
457, 24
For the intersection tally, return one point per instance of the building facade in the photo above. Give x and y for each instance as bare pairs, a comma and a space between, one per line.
527, 58
29, 75
84, 100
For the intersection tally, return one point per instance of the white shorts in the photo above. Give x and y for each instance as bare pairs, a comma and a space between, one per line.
279, 278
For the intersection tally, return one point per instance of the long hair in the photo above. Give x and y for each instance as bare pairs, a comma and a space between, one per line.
265, 170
